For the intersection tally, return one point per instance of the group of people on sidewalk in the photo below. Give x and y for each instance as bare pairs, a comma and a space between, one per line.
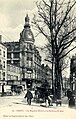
48, 98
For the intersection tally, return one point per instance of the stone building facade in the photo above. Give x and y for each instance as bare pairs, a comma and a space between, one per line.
3, 65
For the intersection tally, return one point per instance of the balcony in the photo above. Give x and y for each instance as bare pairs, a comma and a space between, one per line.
13, 82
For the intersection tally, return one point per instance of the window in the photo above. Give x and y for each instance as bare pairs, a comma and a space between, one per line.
8, 67
14, 69
29, 64
3, 53
29, 56
9, 47
16, 62
3, 74
28, 75
0, 62
30, 47
3, 64
35, 73
8, 77
0, 65
27, 46
8, 62
0, 75
16, 77
3, 78
0, 51
16, 47
9, 55
16, 55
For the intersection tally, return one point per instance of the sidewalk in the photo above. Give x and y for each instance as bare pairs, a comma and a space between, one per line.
20, 99
65, 102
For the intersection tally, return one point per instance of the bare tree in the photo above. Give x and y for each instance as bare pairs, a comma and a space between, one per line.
57, 23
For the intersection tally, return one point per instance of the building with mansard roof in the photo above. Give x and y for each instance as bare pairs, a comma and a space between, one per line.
25, 55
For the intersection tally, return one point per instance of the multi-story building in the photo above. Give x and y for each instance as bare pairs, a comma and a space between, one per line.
3, 65
73, 73
14, 75
25, 55
13, 53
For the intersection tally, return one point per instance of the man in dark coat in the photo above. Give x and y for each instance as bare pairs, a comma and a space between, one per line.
69, 93
29, 96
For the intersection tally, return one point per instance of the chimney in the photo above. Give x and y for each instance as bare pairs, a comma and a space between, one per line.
0, 38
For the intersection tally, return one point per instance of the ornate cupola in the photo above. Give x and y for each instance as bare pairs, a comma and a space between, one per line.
26, 49
26, 22
27, 35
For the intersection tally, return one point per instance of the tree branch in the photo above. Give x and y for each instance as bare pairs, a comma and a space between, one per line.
63, 21
66, 53
64, 38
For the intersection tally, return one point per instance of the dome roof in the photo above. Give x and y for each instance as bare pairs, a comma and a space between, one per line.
27, 33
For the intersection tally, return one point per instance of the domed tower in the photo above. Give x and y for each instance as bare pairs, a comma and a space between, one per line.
26, 50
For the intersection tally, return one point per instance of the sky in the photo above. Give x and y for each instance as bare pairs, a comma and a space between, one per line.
12, 19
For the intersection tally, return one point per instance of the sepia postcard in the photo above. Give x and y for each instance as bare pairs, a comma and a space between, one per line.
37, 59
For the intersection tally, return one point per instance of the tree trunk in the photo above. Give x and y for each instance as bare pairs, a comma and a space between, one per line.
57, 80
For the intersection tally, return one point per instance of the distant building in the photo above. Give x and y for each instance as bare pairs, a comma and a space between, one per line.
46, 74
66, 83
73, 73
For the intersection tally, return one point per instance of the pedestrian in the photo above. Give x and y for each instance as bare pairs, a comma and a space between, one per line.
72, 101
29, 97
50, 100
36, 95
69, 94
46, 97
